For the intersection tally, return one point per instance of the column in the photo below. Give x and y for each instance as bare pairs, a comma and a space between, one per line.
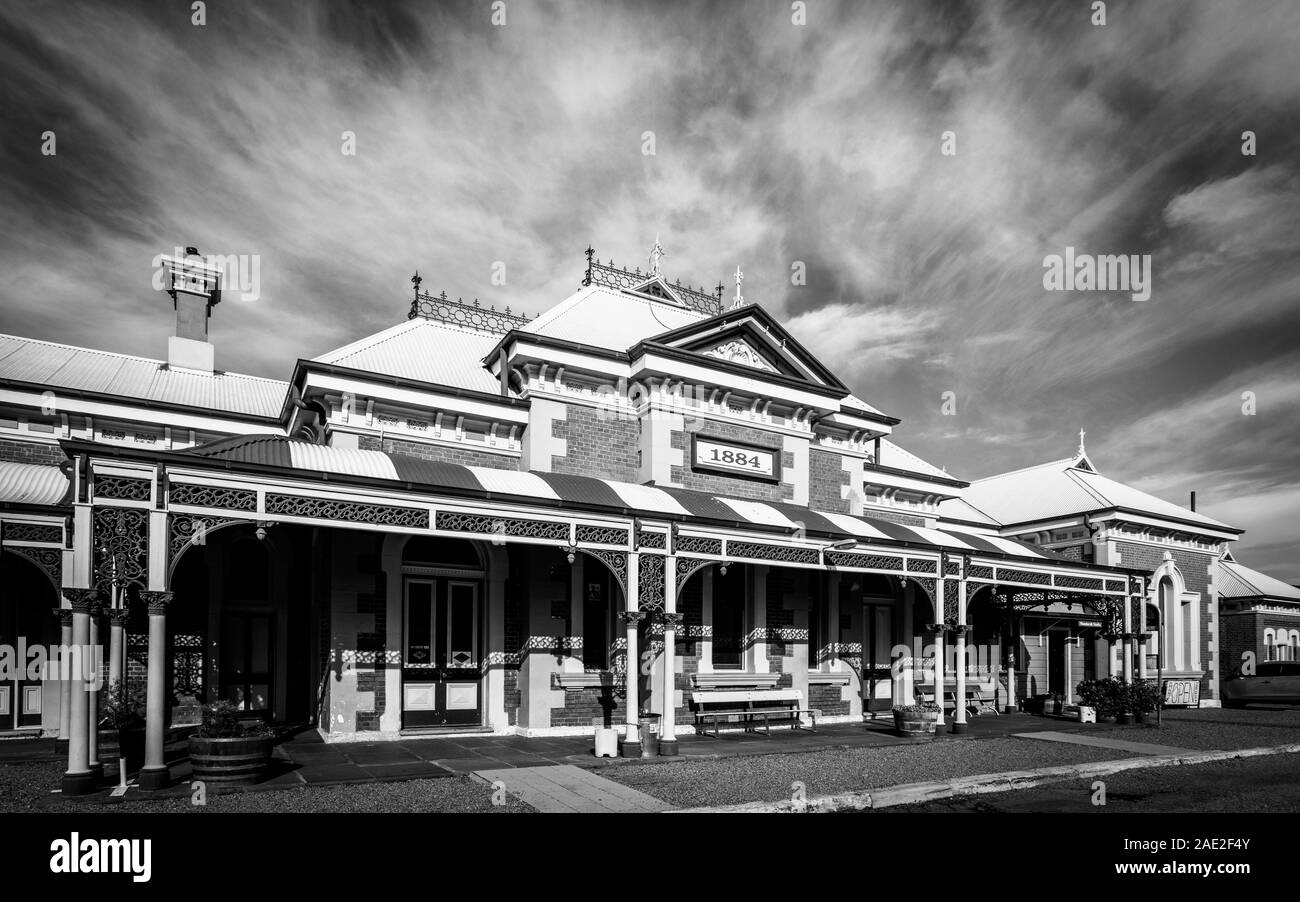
631, 618
96, 662
65, 683
938, 642
1126, 641
959, 716
155, 775
831, 641
117, 645
672, 620
1013, 649
78, 779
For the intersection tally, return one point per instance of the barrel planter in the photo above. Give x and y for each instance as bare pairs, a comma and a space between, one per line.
915, 724
231, 759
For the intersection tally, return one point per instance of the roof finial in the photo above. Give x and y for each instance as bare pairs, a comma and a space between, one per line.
740, 299
416, 280
656, 254
1081, 435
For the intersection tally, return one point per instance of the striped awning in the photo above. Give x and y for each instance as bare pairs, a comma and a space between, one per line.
596, 495
35, 484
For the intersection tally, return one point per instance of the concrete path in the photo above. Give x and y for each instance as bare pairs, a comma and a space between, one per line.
1105, 742
565, 788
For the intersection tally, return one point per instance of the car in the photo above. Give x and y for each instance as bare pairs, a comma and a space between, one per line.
1274, 682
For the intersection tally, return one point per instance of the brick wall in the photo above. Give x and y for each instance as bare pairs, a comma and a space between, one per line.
31, 452
467, 456
597, 443
1241, 631
370, 677
826, 476
734, 486
827, 697
1194, 568
894, 517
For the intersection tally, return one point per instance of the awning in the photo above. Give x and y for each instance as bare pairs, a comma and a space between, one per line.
597, 495
32, 484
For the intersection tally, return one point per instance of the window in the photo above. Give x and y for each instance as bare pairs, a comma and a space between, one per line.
728, 618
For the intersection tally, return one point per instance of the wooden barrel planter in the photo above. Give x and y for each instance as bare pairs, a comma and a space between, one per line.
232, 759
915, 724
115, 744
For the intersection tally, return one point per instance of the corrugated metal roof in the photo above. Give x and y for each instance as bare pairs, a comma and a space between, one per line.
854, 401
605, 318
423, 350
59, 366
1236, 581
892, 455
31, 483
1061, 489
961, 509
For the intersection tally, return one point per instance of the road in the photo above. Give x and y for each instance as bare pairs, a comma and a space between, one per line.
1269, 784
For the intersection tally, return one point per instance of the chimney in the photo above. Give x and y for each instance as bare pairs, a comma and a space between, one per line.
195, 288
1193, 502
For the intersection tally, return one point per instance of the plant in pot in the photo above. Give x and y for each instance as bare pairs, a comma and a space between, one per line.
1123, 701
226, 749
916, 721
1145, 697
121, 725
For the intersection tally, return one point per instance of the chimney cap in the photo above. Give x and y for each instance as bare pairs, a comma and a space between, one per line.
191, 252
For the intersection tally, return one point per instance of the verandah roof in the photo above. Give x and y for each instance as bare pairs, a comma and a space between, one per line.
603, 495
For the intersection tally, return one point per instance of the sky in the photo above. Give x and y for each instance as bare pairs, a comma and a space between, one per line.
917, 161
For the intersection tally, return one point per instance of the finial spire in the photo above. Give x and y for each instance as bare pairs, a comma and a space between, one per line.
416, 280
1081, 435
656, 254
740, 299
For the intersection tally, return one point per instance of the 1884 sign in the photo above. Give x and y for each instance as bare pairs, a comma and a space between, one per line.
735, 458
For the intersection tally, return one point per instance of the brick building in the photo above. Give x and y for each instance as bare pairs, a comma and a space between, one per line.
477, 521
1259, 617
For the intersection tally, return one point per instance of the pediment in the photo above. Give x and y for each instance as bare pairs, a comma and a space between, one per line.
749, 336
658, 289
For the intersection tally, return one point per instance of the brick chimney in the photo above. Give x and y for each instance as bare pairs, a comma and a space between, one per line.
195, 288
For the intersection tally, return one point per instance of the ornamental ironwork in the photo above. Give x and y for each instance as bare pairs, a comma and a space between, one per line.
616, 561
32, 532
951, 567
672, 619
979, 571
1078, 582
459, 313
48, 560
698, 545
187, 530
120, 538
651, 539
612, 276
1024, 576
950, 600
927, 583
686, 568
864, 561
1114, 585
601, 535
791, 554
348, 511
187, 665
921, 565
503, 526
122, 488
650, 582
213, 496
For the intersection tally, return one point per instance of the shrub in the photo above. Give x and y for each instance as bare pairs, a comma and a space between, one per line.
1145, 696
220, 720
122, 708
1108, 696
924, 708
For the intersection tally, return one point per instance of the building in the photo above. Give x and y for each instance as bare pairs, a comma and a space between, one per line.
1260, 617
473, 520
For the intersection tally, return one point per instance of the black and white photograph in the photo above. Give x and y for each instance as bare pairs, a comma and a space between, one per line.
420, 412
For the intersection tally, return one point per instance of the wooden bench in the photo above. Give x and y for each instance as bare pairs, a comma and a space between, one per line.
978, 699
751, 704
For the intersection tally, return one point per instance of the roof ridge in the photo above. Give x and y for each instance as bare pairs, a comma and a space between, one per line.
1050, 463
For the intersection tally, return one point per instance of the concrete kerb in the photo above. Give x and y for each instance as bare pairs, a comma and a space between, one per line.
913, 793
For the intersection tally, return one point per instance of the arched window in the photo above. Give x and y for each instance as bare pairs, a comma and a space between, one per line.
1270, 642
1157, 630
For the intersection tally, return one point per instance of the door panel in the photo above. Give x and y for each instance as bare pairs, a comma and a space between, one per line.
440, 670
1056, 661
247, 660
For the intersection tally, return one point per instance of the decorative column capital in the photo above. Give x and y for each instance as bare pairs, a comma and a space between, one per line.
64, 615
82, 600
118, 616
672, 619
157, 601
631, 618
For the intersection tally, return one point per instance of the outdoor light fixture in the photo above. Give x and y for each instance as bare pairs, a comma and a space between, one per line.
843, 545
723, 569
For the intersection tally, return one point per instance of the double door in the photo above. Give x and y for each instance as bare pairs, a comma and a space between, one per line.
441, 683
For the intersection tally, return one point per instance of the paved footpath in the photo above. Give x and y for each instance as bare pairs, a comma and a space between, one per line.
1105, 742
565, 788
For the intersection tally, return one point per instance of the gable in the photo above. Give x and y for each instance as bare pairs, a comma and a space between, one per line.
658, 289
749, 336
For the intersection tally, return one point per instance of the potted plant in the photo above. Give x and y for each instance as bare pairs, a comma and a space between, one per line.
225, 749
121, 726
1124, 702
1145, 697
916, 721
